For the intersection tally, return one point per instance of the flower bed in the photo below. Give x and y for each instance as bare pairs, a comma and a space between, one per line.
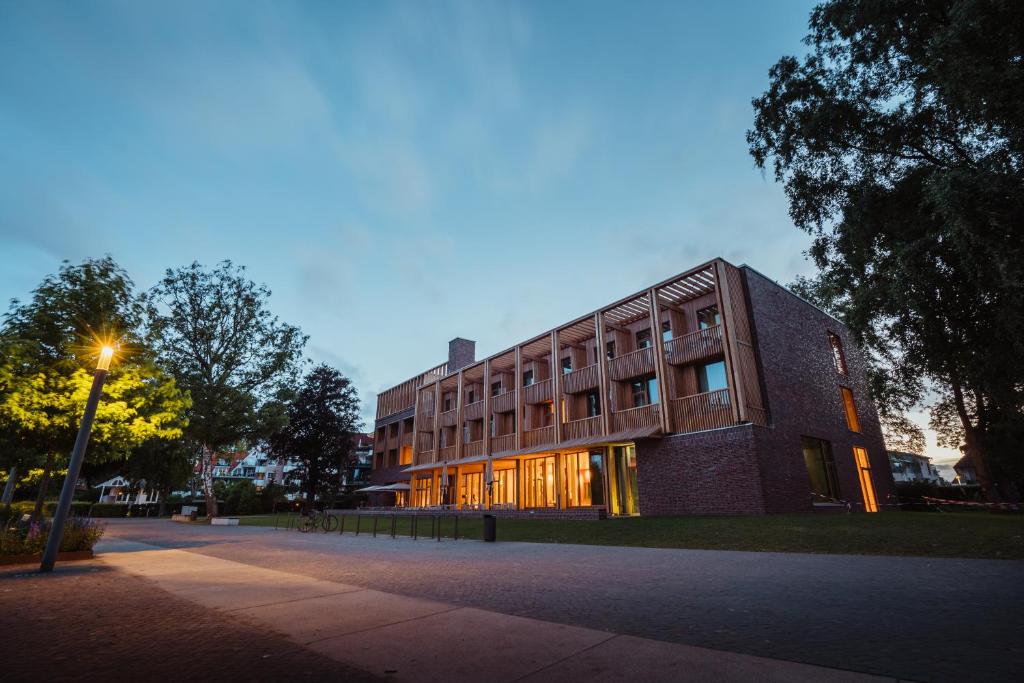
28, 540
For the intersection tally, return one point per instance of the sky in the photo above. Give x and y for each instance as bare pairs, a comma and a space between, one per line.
398, 174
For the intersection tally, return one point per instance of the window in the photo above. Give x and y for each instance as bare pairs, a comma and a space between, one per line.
645, 392
583, 479
447, 403
711, 377
821, 468
528, 378
406, 456
609, 348
539, 483
851, 409
567, 365
421, 496
643, 339
838, 357
495, 388
666, 331
470, 397
708, 317
593, 404
492, 426
504, 490
867, 488
392, 457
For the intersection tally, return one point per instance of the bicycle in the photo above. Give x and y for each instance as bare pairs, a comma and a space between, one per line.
312, 520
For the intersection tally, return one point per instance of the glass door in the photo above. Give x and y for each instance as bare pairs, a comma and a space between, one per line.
622, 481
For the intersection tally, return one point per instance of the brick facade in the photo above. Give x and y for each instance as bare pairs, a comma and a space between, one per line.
753, 470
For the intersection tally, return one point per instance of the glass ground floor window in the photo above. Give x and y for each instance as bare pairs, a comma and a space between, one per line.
421, 491
622, 482
539, 483
821, 468
504, 488
583, 478
471, 490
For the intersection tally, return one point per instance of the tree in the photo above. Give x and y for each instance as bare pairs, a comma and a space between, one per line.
48, 348
164, 464
900, 140
318, 437
214, 331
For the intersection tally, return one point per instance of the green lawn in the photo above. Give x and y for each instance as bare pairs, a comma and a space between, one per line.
928, 534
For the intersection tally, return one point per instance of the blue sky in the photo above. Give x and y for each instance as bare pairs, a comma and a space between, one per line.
397, 173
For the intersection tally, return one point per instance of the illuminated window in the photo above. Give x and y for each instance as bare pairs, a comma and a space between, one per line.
711, 377
867, 487
503, 491
539, 483
583, 479
471, 490
821, 468
838, 357
851, 409
421, 493
708, 317
406, 456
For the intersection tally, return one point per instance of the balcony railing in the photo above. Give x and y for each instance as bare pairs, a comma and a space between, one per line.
473, 448
635, 418
709, 410
632, 364
474, 411
504, 403
538, 392
694, 346
424, 457
580, 380
426, 442
505, 442
581, 429
539, 437
448, 453
448, 418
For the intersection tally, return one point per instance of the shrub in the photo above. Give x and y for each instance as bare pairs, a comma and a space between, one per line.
241, 499
80, 533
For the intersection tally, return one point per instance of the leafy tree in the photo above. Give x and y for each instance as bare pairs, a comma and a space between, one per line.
214, 331
318, 437
900, 140
48, 348
241, 498
164, 464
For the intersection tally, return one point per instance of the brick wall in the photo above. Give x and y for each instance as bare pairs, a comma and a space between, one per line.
802, 389
461, 352
712, 472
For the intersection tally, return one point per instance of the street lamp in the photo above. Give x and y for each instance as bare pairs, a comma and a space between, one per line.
75, 466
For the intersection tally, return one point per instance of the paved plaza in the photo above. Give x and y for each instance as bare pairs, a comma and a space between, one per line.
422, 610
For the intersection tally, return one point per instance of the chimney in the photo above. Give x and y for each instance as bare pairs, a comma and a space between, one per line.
461, 352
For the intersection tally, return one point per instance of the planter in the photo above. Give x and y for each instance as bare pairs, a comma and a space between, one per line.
36, 559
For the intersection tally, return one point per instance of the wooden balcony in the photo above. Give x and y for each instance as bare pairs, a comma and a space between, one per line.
505, 442
694, 346
423, 457
447, 453
581, 429
474, 411
539, 437
473, 448
504, 403
632, 364
425, 442
702, 411
448, 418
580, 380
635, 418
538, 392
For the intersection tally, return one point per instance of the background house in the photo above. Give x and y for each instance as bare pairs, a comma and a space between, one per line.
913, 467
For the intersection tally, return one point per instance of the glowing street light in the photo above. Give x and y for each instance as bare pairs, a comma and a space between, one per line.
77, 456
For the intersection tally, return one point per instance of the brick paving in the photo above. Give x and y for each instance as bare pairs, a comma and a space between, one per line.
87, 621
917, 618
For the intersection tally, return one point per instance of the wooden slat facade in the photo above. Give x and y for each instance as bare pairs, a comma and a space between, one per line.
538, 393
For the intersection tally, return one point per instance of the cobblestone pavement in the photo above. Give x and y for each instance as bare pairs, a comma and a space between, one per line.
89, 622
916, 618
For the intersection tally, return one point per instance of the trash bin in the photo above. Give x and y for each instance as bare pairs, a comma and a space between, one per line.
490, 528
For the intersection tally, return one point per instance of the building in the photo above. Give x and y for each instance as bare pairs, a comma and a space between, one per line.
714, 392
913, 467
121, 491
965, 471
252, 465
357, 473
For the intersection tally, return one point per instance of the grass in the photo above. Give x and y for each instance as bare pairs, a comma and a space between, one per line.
924, 534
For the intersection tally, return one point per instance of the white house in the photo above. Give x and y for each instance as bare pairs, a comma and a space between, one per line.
120, 490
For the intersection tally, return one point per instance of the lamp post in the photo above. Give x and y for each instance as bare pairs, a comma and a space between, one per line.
75, 466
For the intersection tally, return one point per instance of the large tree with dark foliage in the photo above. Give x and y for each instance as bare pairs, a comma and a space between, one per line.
900, 139
214, 331
322, 418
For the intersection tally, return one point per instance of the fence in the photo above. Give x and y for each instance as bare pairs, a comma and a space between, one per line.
414, 525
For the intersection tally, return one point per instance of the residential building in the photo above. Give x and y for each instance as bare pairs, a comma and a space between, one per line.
913, 467
357, 473
121, 491
714, 391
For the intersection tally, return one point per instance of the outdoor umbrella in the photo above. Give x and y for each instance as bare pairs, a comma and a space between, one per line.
489, 478
444, 481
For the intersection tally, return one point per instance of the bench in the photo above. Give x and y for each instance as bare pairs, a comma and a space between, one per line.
224, 521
